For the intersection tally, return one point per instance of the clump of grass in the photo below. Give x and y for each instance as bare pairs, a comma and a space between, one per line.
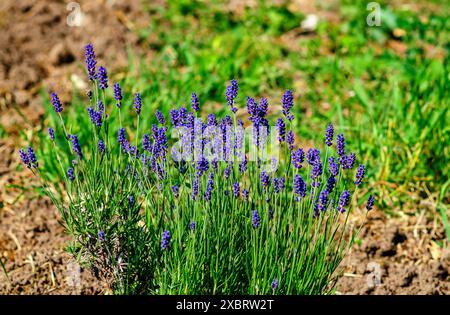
222, 207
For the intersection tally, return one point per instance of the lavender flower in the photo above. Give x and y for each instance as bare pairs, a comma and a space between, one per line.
287, 103
56, 103
101, 147
299, 187
313, 156
236, 190
195, 105
102, 77
160, 117
175, 190
118, 94
329, 133
333, 167
370, 202
281, 126
211, 120
265, 179
137, 103
51, 133
243, 166
175, 118
278, 184
122, 138
202, 165
192, 225
101, 236
90, 61
359, 175
323, 200
209, 186
344, 201
274, 284
290, 139
76, 146
340, 145
130, 201
227, 172
24, 157
331, 183
96, 117
256, 222
348, 161
231, 94
297, 156
165, 240
70, 174
195, 185
245, 194
32, 157
316, 170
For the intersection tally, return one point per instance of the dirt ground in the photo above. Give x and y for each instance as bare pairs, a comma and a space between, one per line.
37, 49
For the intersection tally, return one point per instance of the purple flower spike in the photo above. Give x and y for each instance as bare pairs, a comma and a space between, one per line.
256, 222
160, 117
101, 147
297, 156
195, 105
265, 179
344, 201
192, 226
231, 94
118, 94
313, 156
333, 167
137, 103
90, 61
323, 200
274, 284
281, 127
287, 103
70, 174
175, 190
329, 133
101, 236
102, 77
56, 103
76, 146
236, 190
211, 120
51, 133
24, 157
195, 185
359, 175
340, 145
290, 139
32, 157
209, 186
299, 187
165, 240
245, 194
331, 183
370, 203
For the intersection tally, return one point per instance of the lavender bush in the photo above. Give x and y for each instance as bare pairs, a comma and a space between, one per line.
194, 206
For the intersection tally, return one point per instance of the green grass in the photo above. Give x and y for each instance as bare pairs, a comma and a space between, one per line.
395, 106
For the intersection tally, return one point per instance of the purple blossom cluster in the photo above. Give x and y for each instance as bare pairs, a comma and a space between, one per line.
316, 183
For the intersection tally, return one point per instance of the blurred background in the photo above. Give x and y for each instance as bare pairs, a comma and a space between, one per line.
378, 70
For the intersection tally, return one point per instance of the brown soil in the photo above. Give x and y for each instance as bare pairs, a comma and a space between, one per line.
403, 251
38, 49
